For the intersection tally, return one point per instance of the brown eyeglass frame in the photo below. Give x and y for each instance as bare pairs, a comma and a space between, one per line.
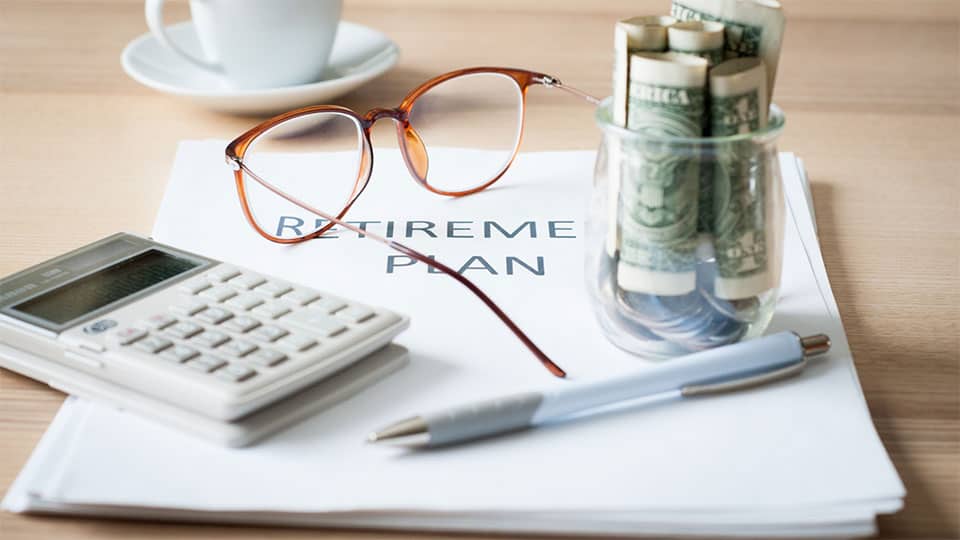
414, 156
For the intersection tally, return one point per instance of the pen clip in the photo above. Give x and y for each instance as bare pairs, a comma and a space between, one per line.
746, 382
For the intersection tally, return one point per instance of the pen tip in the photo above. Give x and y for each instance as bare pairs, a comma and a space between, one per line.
412, 432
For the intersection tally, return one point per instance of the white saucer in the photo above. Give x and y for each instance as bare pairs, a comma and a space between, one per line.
359, 55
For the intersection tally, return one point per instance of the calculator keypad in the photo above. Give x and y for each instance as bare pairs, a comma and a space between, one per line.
210, 338
184, 329
153, 344
188, 307
245, 302
159, 321
214, 315
240, 326
220, 293
128, 335
247, 281
222, 272
268, 333
300, 297
328, 305
296, 342
267, 357
237, 348
235, 373
194, 287
355, 314
272, 289
179, 354
206, 363
271, 310
320, 323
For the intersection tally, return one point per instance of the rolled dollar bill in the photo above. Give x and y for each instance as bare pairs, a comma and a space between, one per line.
703, 39
752, 28
646, 33
700, 38
658, 232
738, 106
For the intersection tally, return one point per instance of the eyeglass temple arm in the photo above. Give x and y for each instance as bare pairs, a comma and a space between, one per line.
553, 82
544, 359
552, 367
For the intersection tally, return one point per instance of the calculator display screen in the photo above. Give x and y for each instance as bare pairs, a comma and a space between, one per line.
105, 286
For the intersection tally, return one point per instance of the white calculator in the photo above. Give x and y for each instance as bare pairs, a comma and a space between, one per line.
151, 326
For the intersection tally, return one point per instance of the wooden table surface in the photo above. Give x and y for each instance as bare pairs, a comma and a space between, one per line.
872, 95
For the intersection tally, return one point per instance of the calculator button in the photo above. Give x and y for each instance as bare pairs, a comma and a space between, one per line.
235, 373
271, 310
189, 307
237, 348
296, 343
206, 363
153, 344
328, 305
300, 297
223, 273
220, 293
210, 338
247, 281
267, 357
128, 335
355, 314
268, 333
99, 327
318, 323
245, 302
241, 324
179, 354
214, 315
184, 329
159, 321
273, 289
194, 287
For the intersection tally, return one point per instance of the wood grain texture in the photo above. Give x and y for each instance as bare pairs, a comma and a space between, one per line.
872, 94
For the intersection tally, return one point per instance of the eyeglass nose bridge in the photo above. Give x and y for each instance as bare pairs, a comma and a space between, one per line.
376, 114
411, 144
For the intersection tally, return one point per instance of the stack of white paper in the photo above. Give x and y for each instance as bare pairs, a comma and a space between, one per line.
799, 458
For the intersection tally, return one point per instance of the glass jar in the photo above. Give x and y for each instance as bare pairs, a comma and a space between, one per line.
684, 237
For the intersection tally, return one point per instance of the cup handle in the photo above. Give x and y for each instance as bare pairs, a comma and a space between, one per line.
153, 9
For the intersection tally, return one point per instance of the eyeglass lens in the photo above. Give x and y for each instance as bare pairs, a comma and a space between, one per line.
318, 158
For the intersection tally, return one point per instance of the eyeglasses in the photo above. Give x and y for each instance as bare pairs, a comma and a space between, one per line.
320, 158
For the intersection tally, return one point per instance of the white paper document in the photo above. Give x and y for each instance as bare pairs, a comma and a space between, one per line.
797, 458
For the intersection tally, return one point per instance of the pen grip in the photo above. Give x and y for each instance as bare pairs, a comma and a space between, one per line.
483, 418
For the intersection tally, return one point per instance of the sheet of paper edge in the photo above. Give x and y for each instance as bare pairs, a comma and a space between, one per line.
855, 525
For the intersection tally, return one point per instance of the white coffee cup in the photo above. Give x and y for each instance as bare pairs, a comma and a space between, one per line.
258, 43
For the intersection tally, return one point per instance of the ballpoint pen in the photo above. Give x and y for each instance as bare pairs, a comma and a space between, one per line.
724, 369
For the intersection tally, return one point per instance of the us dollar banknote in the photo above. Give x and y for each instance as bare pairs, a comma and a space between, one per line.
699, 38
741, 178
703, 39
645, 33
752, 28
660, 184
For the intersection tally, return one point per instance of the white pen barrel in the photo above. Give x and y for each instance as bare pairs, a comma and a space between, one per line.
713, 365
483, 418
